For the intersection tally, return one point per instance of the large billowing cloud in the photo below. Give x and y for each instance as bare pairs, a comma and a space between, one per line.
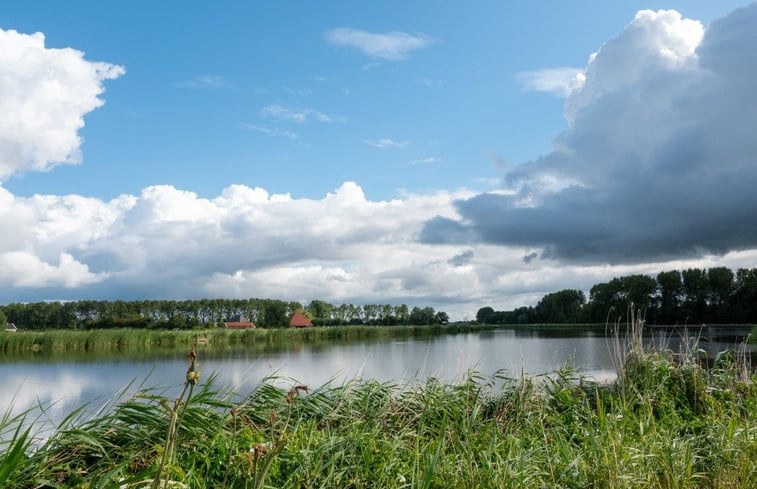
659, 160
170, 243
44, 95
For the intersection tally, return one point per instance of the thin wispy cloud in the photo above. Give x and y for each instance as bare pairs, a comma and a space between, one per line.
386, 143
430, 82
424, 161
392, 46
557, 81
206, 81
499, 162
298, 92
300, 115
269, 131
491, 181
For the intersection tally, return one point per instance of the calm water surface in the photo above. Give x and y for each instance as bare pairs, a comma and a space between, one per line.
63, 383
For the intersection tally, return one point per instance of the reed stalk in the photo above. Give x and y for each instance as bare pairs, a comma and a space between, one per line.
176, 414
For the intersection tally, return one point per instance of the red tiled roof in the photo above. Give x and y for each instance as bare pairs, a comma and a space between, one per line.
299, 320
238, 325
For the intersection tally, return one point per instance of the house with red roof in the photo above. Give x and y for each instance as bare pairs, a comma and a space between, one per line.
299, 320
238, 321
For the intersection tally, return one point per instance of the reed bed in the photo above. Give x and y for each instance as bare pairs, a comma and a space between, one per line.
98, 340
666, 422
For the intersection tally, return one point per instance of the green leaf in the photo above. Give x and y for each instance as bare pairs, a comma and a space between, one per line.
14, 455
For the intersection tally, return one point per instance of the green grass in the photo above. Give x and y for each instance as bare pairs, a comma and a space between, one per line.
138, 340
666, 422
105, 340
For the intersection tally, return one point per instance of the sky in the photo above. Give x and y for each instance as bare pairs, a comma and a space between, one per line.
430, 153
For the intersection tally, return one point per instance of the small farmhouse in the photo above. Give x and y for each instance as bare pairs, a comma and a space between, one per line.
10, 327
299, 320
238, 321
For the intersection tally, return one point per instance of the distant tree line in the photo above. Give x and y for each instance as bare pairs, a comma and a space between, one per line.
204, 313
714, 295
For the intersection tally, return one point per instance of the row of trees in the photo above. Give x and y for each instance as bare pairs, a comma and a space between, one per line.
203, 313
325, 314
714, 295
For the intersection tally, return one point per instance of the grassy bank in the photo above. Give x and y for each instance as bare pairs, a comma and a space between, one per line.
667, 422
106, 340
124, 339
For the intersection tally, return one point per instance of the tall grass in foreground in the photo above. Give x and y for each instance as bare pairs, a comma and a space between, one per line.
666, 422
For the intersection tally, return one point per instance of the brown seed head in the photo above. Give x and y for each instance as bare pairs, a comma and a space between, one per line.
259, 450
192, 356
295, 392
193, 376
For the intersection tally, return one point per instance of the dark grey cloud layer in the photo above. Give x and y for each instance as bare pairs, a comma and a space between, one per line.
660, 159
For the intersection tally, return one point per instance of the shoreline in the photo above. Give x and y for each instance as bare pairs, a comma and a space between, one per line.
124, 339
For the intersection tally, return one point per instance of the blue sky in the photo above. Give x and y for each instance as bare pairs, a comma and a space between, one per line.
196, 72
441, 108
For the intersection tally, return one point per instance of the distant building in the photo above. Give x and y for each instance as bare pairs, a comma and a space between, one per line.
238, 321
299, 320
10, 327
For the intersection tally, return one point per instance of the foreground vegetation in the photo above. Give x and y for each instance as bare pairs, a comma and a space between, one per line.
125, 339
666, 422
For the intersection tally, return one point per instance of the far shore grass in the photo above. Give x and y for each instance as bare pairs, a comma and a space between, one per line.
124, 339
104, 340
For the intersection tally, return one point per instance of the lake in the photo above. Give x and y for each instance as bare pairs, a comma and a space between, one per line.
65, 382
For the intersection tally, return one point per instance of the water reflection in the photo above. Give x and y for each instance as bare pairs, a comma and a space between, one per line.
63, 383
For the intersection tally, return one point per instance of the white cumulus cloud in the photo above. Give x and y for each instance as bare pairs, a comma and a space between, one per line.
22, 269
168, 242
44, 95
658, 161
662, 42
171, 243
